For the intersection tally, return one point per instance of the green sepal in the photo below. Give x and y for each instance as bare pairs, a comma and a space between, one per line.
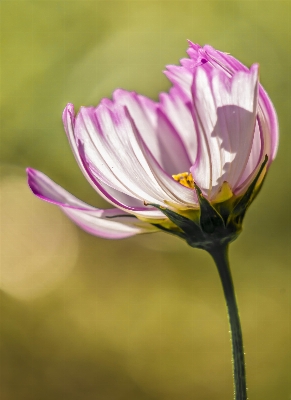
171, 231
185, 224
210, 219
193, 233
243, 204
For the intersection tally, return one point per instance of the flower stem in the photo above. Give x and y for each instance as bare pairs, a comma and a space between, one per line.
220, 256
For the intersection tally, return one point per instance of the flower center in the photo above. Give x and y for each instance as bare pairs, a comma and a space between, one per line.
185, 179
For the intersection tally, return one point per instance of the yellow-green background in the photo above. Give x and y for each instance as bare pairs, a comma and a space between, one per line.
144, 318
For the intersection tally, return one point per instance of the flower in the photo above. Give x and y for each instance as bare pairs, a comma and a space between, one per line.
195, 159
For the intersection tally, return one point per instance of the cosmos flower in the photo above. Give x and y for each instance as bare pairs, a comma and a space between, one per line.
206, 145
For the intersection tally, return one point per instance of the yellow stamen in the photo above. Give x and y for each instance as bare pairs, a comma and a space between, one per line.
185, 179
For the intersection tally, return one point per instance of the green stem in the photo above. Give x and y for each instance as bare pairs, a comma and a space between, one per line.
220, 256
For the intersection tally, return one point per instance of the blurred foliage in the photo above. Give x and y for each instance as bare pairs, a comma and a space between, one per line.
142, 318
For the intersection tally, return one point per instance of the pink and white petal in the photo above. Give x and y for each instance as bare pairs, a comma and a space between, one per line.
181, 78
200, 58
144, 115
174, 156
113, 196
179, 112
177, 194
69, 125
76, 129
193, 51
93, 148
69, 121
254, 162
131, 205
46, 189
230, 65
168, 138
156, 131
113, 153
103, 133
224, 60
174, 193
225, 117
170, 191
269, 124
216, 58
110, 224
187, 63
106, 141
127, 203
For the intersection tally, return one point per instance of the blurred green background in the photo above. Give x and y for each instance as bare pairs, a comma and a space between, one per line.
144, 318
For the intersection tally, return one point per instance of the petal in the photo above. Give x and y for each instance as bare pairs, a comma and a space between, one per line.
117, 156
177, 196
181, 78
115, 197
254, 162
69, 121
156, 131
44, 188
269, 124
217, 59
109, 224
127, 203
230, 65
193, 51
178, 110
113, 153
225, 118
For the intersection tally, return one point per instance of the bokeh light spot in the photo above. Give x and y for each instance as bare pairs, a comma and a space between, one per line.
39, 245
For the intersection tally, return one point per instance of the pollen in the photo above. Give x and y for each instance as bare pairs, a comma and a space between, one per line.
185, 179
